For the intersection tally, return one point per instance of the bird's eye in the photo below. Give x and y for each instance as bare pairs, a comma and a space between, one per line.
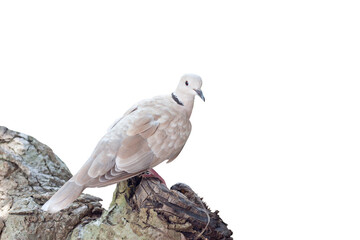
187, 83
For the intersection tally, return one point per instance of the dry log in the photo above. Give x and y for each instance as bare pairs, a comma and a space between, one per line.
141, 208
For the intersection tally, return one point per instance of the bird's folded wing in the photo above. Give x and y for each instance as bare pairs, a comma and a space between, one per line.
135, 154
122, 153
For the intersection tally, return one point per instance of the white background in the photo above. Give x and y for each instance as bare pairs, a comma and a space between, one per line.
275, 147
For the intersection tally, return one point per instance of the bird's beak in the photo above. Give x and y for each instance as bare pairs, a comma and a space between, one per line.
200, 93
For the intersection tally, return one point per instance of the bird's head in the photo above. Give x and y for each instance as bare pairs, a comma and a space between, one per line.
190, 85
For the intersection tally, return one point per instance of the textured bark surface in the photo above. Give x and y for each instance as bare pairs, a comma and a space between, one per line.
141, 208
29, 174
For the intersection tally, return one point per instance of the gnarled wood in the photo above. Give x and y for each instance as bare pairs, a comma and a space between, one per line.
141, 208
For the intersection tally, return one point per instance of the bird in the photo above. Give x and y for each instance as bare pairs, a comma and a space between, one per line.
150, 132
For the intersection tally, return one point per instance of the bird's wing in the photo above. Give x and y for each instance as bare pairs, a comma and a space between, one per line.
135, 154
103, 157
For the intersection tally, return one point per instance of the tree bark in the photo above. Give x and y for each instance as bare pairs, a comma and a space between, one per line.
142, 208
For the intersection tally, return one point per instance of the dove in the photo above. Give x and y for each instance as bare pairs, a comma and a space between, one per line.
150, 132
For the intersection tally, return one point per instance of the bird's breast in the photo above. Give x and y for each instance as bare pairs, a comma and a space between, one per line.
170, 136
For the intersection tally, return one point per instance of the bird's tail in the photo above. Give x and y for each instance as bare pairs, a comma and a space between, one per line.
63, 197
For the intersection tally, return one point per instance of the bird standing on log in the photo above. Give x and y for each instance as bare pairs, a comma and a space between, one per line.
150, 132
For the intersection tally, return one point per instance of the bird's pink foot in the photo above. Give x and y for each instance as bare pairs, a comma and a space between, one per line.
153, 174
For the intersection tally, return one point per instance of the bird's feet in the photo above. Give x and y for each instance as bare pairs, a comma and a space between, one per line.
153, 174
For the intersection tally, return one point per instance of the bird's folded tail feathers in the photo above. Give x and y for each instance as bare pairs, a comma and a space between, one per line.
63, 197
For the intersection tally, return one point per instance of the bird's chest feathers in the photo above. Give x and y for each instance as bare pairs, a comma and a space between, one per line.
170, 136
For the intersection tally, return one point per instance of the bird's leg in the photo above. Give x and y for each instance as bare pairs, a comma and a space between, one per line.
151, 173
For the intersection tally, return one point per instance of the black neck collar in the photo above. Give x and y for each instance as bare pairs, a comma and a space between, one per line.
176, 99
